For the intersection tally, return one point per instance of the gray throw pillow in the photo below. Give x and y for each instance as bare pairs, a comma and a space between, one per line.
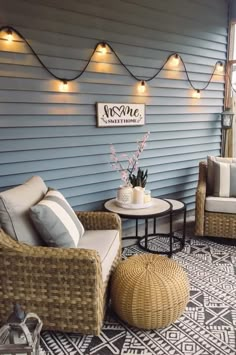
56, 221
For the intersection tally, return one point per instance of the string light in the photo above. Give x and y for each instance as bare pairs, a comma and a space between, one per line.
9, 35
220, 67
142, 87
197, 94
64, 85
175, 59
103, 48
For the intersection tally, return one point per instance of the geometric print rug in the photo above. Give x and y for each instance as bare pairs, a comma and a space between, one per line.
207, 327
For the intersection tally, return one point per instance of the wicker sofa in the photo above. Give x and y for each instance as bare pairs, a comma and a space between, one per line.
66, 287
208, 222
63, 286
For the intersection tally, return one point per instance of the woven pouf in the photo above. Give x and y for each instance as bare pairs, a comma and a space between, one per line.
149, 291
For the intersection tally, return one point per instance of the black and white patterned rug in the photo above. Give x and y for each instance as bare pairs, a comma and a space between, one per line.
207, 327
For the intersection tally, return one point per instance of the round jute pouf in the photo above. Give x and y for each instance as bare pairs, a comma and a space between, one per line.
149, 291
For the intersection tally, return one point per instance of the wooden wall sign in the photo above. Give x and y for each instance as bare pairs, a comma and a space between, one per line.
113, 114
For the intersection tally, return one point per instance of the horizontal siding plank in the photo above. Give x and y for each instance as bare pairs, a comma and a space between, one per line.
98, 9
71, 98
80, 166
130, 47
132, 15
51, 132
89, 84
121, 31
77, 57
198, 16
161, 147
45, 143
174, 191
111, 187
78, 181
144, 74
91, 99
59, 63
64, 109
54, 120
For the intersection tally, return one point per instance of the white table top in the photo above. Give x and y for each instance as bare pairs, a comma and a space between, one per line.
176, 205
158, 207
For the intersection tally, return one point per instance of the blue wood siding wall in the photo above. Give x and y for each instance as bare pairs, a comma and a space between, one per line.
53, 134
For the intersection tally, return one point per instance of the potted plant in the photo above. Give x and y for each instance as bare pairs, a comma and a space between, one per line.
140, 179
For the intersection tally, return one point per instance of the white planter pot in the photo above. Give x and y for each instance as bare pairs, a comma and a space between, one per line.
125, 194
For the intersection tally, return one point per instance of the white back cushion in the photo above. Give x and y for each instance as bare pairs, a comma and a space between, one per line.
224, 184
14, 210
210, 170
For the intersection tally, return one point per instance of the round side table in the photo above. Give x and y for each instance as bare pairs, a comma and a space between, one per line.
147, 242
159, 208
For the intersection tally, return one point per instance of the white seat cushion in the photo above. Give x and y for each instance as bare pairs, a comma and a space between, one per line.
221, 204
106, 243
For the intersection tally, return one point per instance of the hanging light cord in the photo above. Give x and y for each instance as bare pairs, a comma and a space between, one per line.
12, 29
190, 82
230, 81
42, 63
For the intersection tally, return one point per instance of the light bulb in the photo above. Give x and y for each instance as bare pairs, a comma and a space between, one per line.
197, 94
64, 85
220, 67
142, 86
103, 48
175, 60
9, 35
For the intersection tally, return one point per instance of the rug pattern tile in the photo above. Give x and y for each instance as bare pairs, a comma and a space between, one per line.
207, 326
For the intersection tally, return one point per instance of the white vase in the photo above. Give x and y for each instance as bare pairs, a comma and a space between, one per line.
125, 194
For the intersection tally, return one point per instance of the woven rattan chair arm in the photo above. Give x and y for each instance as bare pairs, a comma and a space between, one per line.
57, 254
201, 190
66, 262
99, 220
57, 270
10, 246
200, 200
202, 177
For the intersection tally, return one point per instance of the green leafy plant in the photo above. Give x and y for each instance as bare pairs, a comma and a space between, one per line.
140, 179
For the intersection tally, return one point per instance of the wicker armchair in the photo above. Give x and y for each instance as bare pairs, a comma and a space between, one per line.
214, 224
63, 286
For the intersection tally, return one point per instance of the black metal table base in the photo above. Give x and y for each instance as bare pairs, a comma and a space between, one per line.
168, 248
145, 242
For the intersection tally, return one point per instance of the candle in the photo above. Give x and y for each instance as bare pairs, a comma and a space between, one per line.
138, 195
147, 196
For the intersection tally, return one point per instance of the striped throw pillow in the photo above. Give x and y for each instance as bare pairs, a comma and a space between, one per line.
56, 221
210, 170
224, 179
